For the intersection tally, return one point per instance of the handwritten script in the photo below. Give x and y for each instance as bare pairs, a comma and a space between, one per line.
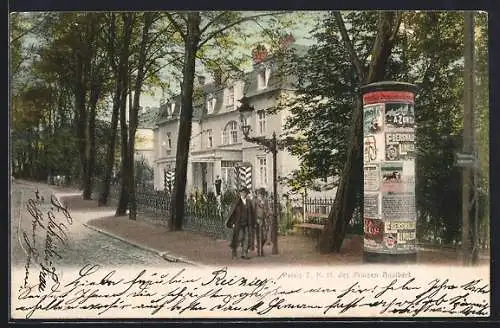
96, 292
46, 225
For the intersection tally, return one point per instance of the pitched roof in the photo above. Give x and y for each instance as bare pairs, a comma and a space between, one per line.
147, 118
201, 95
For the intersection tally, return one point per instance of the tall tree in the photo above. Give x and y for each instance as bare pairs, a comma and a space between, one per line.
134, 109
96, 71
116, 68
197, 30
128, 22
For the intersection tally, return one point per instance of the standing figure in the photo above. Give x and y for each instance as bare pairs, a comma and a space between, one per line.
218, 186
262, 218
218, 194
241, 218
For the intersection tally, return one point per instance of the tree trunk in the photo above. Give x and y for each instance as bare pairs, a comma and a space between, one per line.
124, 195
80, 111
185, 124
351, 182
110, 154
93, 71
90, 151
134, 111
349, 186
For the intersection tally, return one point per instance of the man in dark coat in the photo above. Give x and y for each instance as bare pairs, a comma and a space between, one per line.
218, 186
241, 219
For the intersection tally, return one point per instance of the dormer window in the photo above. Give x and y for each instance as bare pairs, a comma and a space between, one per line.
211, 101
229, 98
171, 109
263, 78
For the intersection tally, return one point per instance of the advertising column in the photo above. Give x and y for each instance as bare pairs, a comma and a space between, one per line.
389, 172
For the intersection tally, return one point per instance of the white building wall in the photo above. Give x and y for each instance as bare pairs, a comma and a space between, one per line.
164, 156
145, 145
194, 144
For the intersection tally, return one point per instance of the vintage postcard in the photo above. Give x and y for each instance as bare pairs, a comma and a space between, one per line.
253, 164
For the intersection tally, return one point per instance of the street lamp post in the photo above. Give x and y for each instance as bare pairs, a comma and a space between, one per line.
271, 145
165, 182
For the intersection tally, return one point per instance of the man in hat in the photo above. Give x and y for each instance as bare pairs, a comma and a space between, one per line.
241, 219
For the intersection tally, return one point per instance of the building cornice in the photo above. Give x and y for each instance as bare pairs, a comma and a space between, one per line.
165, 160
262, 92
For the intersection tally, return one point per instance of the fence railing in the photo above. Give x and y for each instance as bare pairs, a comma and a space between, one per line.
203, 213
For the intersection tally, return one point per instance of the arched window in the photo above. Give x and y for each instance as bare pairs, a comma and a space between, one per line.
230, 133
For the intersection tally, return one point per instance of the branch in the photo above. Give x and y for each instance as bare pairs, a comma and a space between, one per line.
177, 59
348, 43
399, 19
266, 31
183, 17
236, 22
157, 35
176, 26
151, 60
382, 46
156, 17
212, 22
33, 28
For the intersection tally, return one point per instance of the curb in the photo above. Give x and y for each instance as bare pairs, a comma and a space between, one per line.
165, 255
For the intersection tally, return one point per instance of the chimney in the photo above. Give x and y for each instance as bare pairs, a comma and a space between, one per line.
201, 79
259, 53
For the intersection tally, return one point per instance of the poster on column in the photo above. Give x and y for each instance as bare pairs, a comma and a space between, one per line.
373, 234
397, 176
398, 206
371, 177
392, 177
373, 146
400, 236
371, 204
399, 115
373, 123
399, 146
373, 120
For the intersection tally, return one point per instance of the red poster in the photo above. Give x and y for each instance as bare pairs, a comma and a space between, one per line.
388, 96
374, 229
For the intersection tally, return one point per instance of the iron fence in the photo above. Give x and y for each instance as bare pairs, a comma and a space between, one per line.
204, 213
317, 210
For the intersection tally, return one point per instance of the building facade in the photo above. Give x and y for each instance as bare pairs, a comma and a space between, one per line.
145, 136
217, 144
